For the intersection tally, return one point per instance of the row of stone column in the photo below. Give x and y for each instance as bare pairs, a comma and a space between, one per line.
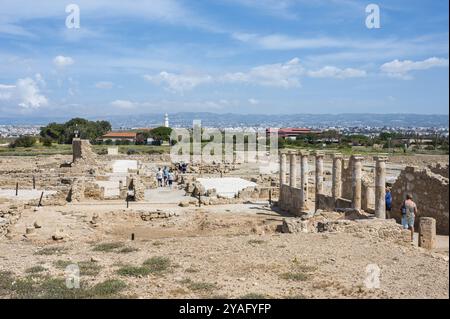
380, 178
304, 172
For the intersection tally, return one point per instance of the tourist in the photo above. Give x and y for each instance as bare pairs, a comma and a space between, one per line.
165, 175
170, 178
409, 212
184, 168
388, 199
159, 177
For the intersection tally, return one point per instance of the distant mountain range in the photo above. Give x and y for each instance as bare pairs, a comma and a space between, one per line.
255, 120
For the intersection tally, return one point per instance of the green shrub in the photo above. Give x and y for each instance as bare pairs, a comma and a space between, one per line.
23, 141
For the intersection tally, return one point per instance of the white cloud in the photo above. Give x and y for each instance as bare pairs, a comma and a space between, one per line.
253, 101
279, 75
285, 75
104, 85
401, 69
26, 92
63, 61
178, 82
334, 72
123, 104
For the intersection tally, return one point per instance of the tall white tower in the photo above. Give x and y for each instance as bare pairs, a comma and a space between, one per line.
166, 120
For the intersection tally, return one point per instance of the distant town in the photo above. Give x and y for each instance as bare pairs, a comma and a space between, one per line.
370, 125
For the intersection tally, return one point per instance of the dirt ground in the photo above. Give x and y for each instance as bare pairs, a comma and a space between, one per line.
227, 251
232, 251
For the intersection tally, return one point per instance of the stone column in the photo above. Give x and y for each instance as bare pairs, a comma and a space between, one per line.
357, 181
293, 169
380, 187
427, 233
319, 176
283, 167
337, 176
304, 155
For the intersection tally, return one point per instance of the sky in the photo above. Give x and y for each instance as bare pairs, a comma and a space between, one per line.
223, 56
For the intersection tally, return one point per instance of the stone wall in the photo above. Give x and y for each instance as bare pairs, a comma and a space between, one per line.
9, 215
82, 152
440, 169
291, 200
430, 192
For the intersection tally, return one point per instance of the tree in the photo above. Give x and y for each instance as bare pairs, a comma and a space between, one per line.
23, 141
64, 133
161, 133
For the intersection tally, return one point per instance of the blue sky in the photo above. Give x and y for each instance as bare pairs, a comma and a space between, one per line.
239, 56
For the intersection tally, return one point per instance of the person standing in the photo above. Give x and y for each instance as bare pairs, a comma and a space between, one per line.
170, 179
165, 175
409, 212
388, 199
159, 177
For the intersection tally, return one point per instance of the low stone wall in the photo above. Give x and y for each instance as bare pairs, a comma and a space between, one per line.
440, 169
335, 222
430, 192
291, 200
9, 215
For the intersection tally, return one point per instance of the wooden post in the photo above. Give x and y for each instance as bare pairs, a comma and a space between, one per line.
132, 236
17, 188
199, 200
34, 182
270, 196
128, 201
40, 200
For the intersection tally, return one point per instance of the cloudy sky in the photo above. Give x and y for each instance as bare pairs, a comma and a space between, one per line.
240, 56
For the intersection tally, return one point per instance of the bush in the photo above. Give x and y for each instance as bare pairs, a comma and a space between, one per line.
47, 141
23, 141
131, 151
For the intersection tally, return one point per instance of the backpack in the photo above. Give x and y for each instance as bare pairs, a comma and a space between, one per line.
403, 208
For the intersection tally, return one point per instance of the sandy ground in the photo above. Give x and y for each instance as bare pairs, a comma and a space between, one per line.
231, 252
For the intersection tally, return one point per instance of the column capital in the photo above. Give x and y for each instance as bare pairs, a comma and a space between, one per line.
303, 153
381, 158
337, 155
357, 157
319, 154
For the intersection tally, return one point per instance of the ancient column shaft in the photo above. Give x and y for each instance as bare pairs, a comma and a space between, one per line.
283, 167
304, 180
380, 187
293, 170
357, 182
319, 176
337, 176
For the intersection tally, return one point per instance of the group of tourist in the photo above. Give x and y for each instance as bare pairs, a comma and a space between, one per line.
165, 177
408, 210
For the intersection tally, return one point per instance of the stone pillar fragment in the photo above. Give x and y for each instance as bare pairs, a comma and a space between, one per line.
293, 169
357, 181
283, 167
337, 176
319, 176
427, 233
380, 187
304, 156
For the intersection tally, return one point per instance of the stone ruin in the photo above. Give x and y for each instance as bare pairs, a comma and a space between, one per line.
359, 195
9, 215
430, 192
196, 190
